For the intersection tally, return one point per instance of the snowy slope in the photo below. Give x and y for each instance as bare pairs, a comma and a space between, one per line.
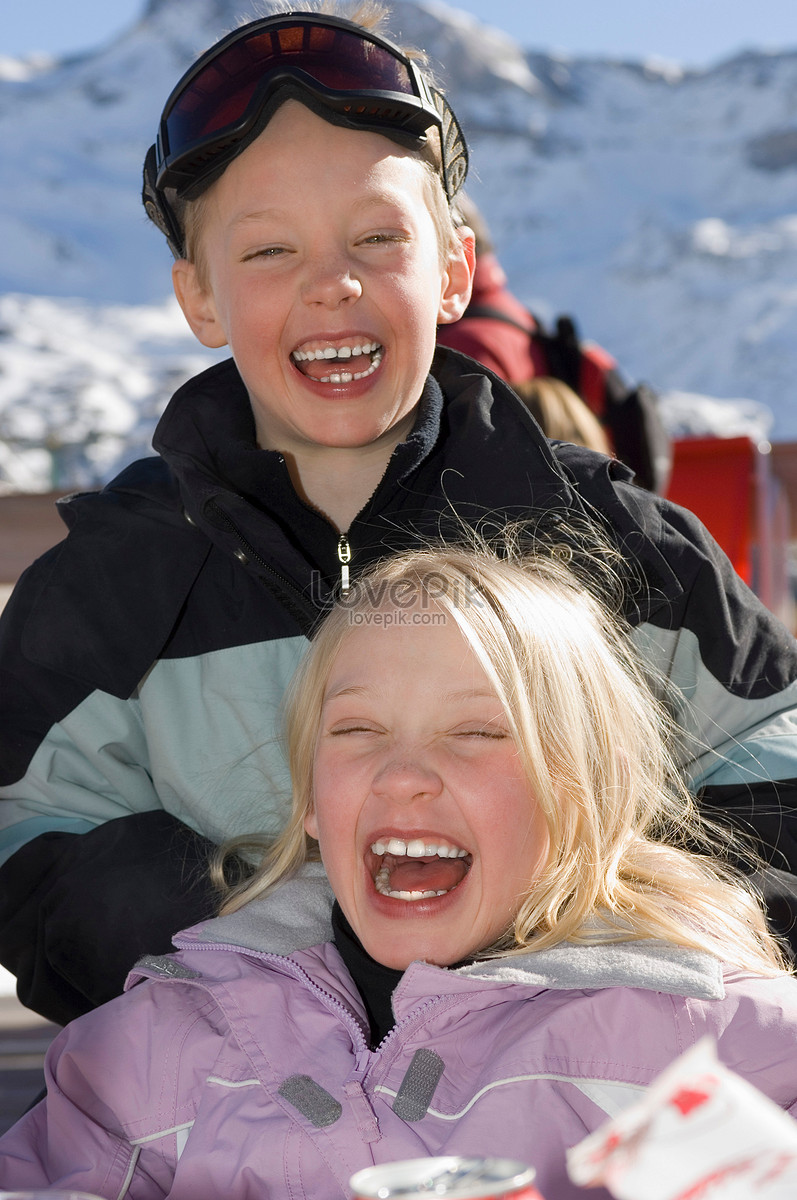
660, 207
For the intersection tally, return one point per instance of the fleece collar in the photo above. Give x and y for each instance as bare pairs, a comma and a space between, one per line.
653, 965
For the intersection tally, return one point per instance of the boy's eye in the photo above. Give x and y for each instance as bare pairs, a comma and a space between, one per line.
375, 239
266, 252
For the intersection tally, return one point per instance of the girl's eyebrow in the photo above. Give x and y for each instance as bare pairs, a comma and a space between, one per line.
352, 690
471, 694
461, 694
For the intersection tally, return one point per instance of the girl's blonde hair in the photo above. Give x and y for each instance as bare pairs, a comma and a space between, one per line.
595, 743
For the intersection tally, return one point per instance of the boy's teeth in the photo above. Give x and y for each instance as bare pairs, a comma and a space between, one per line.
348, 376
339, 355
333, 352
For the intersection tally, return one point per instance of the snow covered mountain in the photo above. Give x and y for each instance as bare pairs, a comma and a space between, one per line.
658, 206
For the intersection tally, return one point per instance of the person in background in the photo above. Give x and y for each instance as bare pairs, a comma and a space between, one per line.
519, 942
561, 414
143, 661
500, 332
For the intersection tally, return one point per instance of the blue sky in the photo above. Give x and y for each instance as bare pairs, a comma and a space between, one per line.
691, 32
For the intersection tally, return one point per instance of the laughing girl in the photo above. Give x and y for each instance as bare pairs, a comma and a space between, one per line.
521, 939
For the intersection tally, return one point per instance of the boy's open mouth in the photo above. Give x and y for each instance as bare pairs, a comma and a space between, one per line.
418, 869
338, 364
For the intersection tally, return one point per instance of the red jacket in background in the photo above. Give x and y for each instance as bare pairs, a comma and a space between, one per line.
504, 343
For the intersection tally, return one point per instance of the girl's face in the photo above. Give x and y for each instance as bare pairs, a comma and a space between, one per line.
427, 830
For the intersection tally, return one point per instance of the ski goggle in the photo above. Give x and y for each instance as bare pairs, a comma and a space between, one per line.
347, 75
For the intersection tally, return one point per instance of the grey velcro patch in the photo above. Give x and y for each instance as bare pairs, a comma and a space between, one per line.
166, 966
418, 1085
311, 1100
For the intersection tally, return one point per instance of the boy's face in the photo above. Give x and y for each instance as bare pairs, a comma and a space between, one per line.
320, 240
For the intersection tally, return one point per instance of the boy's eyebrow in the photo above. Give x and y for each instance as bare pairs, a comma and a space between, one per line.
242, 218
383, 197
379, 199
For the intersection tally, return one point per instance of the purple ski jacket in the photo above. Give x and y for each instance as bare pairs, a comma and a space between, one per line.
235, 1071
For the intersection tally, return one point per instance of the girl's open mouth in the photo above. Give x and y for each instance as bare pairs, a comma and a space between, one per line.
339, 364
418, 869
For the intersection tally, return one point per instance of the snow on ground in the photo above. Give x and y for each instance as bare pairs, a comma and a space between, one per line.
82, 386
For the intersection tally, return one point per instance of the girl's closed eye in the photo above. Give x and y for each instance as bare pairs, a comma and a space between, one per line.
491, 732
350, 727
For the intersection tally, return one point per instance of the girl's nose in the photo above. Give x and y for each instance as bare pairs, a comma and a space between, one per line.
405, 781
331, 283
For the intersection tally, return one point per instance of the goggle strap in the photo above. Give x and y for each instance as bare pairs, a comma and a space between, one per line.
157, 207
454, 147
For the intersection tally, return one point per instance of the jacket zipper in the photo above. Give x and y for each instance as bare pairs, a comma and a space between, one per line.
309, 609
289, 967
286, 964
344, 558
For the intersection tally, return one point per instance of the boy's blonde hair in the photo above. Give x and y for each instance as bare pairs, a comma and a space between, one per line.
594, 743
371, 16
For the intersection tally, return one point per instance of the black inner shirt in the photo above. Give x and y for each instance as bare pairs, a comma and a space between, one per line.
375, 982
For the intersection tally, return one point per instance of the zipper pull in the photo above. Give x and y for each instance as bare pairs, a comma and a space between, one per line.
344, 558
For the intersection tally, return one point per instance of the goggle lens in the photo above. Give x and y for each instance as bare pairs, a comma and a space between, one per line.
218, 95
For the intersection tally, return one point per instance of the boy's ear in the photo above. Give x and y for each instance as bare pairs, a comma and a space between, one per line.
197, 305
458, 278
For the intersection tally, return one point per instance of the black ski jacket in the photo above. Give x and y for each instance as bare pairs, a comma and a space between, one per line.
143, 660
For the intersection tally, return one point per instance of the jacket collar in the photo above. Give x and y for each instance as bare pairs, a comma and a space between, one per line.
207, 435
475, 455
297, 916
650, 964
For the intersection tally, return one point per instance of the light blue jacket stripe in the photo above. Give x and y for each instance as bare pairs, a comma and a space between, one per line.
200, 739
729, 739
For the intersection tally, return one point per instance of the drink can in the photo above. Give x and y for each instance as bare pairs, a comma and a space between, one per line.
451, 1177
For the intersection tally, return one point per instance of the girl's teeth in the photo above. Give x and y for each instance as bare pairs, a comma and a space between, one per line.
416, 848
382, 885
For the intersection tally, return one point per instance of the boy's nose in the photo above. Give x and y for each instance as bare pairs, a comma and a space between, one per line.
331, 283
406, 781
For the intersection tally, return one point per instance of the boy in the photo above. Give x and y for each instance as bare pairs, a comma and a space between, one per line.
304, 175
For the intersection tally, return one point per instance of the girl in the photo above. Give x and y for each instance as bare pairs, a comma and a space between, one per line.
519, 942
